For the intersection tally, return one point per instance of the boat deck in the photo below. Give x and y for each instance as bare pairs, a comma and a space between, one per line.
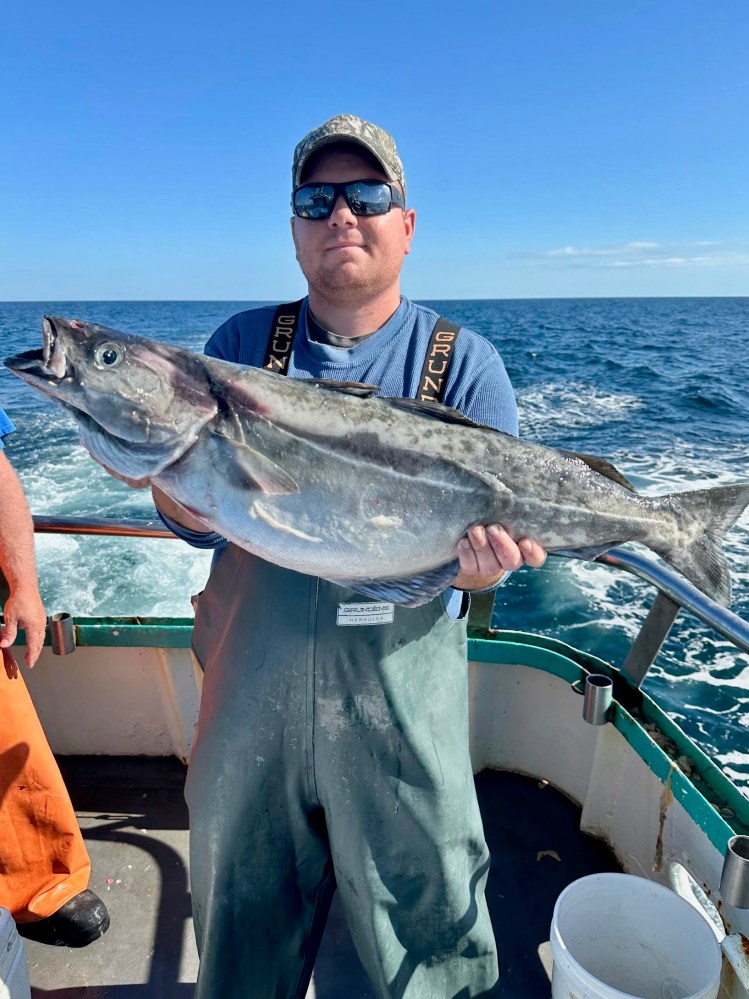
134, 820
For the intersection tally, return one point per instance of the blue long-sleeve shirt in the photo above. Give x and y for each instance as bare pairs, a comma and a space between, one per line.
6, 427
391, 358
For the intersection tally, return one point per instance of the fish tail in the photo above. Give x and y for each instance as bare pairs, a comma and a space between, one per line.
702, 561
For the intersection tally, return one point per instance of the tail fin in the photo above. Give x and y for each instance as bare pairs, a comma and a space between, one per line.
702, 561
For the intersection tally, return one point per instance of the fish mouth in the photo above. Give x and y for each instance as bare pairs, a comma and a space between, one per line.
49, 335
48, 364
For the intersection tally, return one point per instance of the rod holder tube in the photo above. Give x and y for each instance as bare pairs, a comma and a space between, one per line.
734, 881
62, 635
597, 698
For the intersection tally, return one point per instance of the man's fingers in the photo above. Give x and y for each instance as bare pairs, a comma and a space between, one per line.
34, 645
467, 558
513, 555
506, 551
488, 551
9, 633
479, 558
486, 557
34, 623
533, 554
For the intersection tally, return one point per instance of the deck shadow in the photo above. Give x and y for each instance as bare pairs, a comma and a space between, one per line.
134, 821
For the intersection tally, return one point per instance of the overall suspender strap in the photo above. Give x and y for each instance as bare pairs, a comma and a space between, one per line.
433, 380
282, 333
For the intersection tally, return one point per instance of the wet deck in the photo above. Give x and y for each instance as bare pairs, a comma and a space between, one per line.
134, 821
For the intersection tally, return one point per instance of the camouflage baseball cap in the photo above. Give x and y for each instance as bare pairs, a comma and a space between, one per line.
349, 128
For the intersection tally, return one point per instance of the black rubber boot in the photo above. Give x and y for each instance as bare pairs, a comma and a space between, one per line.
76, 924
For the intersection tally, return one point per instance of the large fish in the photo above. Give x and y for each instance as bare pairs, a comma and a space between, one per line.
329, 479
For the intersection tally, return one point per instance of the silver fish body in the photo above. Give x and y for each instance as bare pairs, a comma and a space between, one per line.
329, 479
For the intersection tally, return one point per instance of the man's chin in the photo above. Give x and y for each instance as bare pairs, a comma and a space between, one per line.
345, 282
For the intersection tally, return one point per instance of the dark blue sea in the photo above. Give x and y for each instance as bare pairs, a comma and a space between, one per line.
657, 386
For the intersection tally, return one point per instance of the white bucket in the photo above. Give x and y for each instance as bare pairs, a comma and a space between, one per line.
617, 936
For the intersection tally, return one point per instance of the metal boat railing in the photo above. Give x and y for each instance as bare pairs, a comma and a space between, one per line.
674, 591
103, 525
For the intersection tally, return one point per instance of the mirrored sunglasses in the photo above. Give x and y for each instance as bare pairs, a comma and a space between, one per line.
364, 197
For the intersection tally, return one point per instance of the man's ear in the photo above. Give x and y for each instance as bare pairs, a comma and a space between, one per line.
409, 223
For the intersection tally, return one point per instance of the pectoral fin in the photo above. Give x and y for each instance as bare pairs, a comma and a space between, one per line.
247, 468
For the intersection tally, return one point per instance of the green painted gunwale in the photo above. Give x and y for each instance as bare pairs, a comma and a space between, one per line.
715, 803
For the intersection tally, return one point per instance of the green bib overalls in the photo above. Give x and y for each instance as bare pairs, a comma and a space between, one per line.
332, 751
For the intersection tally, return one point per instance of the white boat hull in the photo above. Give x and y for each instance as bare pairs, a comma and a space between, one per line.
628, 776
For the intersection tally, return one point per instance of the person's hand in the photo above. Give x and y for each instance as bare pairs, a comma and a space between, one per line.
487, 553
134, 483
178, 513
23, 609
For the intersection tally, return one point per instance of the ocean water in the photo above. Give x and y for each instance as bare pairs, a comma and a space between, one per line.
657, 386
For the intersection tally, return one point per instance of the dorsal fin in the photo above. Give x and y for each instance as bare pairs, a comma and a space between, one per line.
349, 388
601, 466
437, 411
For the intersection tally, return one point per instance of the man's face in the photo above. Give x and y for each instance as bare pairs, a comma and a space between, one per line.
346, 257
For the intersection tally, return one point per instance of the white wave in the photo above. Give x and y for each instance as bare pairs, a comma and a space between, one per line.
89, 576
688, 465
602, 588
102, 576
621, 603
545, 408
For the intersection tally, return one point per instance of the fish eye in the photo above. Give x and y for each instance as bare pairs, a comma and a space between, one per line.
108, 355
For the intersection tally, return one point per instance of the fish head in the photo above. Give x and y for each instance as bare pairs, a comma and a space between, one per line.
139, 404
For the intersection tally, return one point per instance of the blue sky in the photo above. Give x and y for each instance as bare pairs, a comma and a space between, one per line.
551, 149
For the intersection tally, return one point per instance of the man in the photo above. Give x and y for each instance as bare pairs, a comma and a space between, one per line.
44, 866
330, 754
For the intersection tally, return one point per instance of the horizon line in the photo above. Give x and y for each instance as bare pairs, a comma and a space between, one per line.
421, 298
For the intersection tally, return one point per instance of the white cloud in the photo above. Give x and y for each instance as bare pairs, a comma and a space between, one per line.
599, 251
642, 253
725, 260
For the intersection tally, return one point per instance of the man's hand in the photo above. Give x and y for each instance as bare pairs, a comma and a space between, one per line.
487, 553
134, 483
176, 512
23, 609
